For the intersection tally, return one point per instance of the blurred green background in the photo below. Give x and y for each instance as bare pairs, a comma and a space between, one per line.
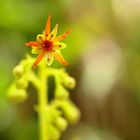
104, 55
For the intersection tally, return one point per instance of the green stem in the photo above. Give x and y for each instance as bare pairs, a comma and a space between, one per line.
42, 101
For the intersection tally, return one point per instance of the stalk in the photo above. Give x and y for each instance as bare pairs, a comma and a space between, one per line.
42, 103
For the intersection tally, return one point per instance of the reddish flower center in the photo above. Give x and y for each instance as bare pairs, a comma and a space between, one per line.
47, 45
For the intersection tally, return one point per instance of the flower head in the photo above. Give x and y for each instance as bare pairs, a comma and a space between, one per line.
48, 45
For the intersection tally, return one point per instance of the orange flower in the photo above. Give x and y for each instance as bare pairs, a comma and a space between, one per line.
48, 45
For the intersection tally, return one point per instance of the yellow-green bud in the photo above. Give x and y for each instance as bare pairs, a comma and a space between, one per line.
69, 82
18, 71
53, 132
17, 95
71, 112
61, 123
61, 92
22, 83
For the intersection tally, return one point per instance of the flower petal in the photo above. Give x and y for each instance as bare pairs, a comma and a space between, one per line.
61, 37
47, 29
58, 56
38, 59
59, 45
32, 43
49, 58
53, 33
40, 38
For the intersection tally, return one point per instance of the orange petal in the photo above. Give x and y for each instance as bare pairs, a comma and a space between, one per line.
32, 43
61, 37
60, 58
39, 58
47, 29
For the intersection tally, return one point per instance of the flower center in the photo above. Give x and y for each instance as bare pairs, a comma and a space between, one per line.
47, 45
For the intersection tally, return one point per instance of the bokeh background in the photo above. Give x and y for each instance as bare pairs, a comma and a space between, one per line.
104, 55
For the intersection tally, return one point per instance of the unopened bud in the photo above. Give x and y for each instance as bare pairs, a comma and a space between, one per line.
61, 123
17, 95
61, 92
22, 83
53, 132
69, 82
18, 71
71, 112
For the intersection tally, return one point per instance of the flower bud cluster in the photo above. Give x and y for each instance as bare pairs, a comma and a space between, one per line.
61, 110
63, 81
17, 90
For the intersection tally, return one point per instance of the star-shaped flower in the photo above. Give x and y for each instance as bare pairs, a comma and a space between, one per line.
48, 45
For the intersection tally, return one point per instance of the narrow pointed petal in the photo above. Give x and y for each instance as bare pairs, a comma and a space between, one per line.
40, 38
61, 37
54, 32
47, 29
49, 58
60, 58
59, 45
38, 59
32, 43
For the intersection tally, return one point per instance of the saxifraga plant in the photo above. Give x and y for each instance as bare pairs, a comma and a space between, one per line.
53, 115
